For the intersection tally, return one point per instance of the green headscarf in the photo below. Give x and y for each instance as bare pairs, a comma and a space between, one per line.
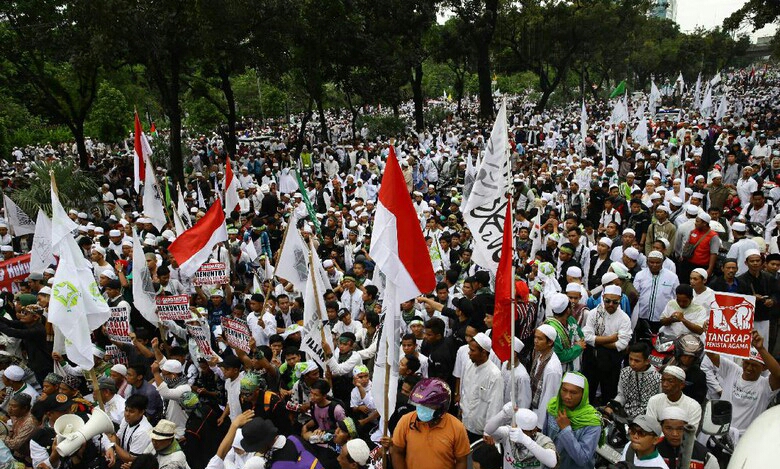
585, 415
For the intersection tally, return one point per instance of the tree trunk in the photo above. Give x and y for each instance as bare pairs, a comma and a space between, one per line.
419, 119
174, 115
77, 129
323, 124
302, 133
231, 143
485, 81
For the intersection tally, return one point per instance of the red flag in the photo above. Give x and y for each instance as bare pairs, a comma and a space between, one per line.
138, 162
502, 319
195, 245
153, 129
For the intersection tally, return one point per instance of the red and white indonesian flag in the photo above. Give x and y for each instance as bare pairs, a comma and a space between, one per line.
195, 245
399, 250
231, 189
142, 148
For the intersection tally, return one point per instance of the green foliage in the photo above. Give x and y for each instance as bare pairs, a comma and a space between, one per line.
382, 125
436, 115
108, 120
76, 188
200, 114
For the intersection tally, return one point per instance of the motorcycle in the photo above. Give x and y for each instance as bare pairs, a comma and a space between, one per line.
616, 427
716, 424
662, 350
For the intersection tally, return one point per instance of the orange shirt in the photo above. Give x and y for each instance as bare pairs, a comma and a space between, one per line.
431, 448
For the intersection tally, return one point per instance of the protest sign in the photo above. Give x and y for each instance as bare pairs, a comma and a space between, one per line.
118, 325
173, 308
730, 325
212, 273
13, 271
115, 355
200, 337
236, 333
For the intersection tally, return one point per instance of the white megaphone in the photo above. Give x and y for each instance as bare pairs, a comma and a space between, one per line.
74, 435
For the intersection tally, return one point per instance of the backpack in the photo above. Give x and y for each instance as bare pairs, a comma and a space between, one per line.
306, 460
331, 410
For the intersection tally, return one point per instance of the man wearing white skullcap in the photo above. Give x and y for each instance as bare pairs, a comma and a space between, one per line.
682, 315
519, 377
568, 338
661, 227
481, 387
742, 244
607, 331
546, 371
655, 287
523, 445
13, 379
672, 384
599, 262
745, 386
673, 422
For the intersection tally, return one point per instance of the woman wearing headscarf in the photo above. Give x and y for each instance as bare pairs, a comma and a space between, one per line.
573, 424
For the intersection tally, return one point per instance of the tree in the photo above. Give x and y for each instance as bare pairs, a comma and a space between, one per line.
451, 47
107, 120
756, 13
479, 19
53, 50
76, 188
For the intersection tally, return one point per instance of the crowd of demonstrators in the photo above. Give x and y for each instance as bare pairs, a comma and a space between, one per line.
633, 240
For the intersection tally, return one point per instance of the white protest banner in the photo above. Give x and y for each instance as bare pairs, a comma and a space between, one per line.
731, 323
173, 308
200, 337
118, 325
115, 355
236, 333
211, 273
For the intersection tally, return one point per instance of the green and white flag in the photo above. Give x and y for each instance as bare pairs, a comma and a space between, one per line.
309, 206
76, 307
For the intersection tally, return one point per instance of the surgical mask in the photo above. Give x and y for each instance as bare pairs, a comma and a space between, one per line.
425, 414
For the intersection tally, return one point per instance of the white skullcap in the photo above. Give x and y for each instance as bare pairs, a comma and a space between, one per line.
172, 366
704, 216
574, 271
558, 303
752, 252
358, 451
632, 253
701, 272
483, 341
14, 373
629, 231
109, 274
755, 356
115, 233
6, 249
548, 331
676, 201
664, 208
526, 419
327, 264
119, 368
575, 379
738, 226
572, 287
127, 243
673, 413
608, 278
698, 195
675, 371
517, 345
606, 242
692, 210
613, 290
655, 255
655, 196
255, 462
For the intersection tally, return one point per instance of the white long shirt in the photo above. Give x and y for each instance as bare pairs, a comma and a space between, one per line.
655, 291
616, 323
481, 394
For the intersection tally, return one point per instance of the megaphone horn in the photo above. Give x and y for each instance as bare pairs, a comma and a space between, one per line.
66, 425
99, 422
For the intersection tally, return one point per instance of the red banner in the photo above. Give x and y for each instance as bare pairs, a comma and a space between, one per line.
12, 271
731, 323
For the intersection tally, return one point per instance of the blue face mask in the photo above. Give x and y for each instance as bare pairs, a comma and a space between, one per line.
425, 414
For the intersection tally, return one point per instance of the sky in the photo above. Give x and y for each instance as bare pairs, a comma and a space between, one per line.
711, 13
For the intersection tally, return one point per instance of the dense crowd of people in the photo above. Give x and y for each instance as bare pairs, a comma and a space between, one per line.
621, 242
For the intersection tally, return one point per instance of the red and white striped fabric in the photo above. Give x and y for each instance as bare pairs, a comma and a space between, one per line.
231, 189
142, 148
195, 245
397, 243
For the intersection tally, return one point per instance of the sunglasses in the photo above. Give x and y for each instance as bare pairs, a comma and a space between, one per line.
611, 302
641, 433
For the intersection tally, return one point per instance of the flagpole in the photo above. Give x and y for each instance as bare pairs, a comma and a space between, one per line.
511, 253
312, 273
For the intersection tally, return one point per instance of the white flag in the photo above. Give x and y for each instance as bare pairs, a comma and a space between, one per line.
715, 80
19, 222
387, 352
182, 220
153, 205
722, 109
654, 98
76, 307
293, 264
144, 296
249, 249
681, 83
584, 121
640, 133
706, 104
314, 314
697, 93
486, 205
41, 255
